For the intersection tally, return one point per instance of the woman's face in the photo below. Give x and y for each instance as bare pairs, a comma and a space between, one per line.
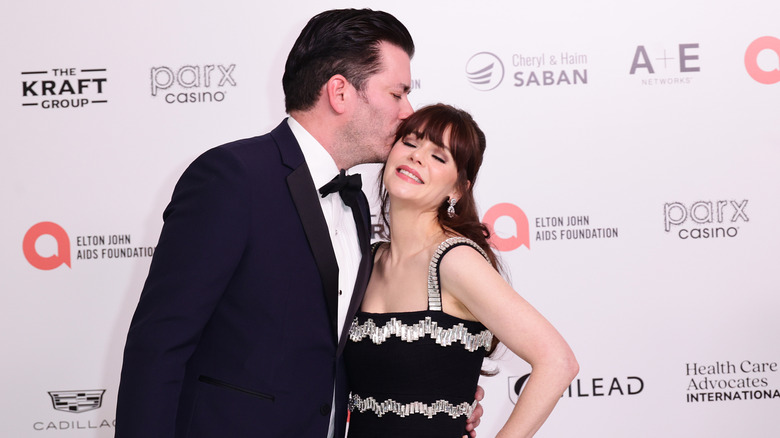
421, 172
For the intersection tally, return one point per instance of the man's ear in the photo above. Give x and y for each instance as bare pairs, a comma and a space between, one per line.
338, 89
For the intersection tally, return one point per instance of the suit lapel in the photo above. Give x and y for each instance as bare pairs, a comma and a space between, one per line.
363, 224
304, 196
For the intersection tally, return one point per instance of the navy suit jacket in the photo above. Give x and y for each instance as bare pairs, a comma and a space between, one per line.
235, 332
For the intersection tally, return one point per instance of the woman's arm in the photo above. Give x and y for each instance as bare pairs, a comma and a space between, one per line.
467, 277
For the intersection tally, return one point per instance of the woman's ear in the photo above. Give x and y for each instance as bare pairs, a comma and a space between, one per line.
457, 193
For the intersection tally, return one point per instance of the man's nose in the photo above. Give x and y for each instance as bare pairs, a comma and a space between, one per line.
406, 109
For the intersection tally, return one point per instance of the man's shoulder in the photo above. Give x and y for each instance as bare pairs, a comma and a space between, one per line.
246, 144
263, 146
268, 139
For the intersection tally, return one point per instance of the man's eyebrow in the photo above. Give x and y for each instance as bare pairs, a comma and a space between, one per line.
404, 87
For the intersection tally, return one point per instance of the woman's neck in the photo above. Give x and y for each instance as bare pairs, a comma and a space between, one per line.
412, 231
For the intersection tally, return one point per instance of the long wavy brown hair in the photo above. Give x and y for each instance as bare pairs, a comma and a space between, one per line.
467, 146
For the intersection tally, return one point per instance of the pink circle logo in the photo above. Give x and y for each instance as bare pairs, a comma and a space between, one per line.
521, 235
62, 256
755, 71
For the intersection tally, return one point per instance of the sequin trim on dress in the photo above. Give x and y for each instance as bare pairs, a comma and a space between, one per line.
411, 333
434, 293
406, 409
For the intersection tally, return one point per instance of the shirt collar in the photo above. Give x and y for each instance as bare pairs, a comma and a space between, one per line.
321, 165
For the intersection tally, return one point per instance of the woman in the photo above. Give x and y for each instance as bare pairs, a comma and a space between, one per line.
416, 347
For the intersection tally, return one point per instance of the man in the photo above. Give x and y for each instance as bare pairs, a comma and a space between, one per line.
241, 323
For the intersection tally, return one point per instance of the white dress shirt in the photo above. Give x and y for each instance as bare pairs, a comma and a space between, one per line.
341, 224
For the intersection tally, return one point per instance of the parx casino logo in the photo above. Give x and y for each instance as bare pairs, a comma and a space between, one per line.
192, 83
705, 219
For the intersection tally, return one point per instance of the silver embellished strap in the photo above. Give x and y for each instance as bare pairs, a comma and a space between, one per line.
434, 292
406, 409
375, 246
425, 327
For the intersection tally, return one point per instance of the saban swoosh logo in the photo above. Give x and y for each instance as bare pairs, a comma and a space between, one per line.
484, 71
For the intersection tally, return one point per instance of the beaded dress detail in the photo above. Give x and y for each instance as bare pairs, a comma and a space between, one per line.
414, 374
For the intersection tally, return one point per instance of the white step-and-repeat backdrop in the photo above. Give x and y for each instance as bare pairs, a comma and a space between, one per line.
632, 179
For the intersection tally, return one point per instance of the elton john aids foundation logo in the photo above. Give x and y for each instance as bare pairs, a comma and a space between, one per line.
484, 71
762, 60
496, 219
60, 256
46, 246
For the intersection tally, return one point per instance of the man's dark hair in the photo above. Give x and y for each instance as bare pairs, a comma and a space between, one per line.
339, 41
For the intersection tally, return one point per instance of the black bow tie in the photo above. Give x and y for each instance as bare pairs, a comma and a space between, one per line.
348, 187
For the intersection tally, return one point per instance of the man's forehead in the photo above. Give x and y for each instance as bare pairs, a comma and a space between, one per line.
396, 65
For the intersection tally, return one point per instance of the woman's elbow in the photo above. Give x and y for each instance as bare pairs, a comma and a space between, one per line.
569, 366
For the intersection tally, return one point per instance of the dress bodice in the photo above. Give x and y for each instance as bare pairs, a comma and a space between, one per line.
415, 373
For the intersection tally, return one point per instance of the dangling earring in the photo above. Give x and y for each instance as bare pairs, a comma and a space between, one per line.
451, 208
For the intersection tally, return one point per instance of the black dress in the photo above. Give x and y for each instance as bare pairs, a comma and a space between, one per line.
414, 374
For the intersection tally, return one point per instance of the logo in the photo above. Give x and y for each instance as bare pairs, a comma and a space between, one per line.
581, 388
516, 386
758, 49
47, 263
550, 70
519, 233
572, 227
63, 88
77, 401
675, 65
378, 228
484, 71
605, 387
729, 381
705, 214
41, 255
193, 83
